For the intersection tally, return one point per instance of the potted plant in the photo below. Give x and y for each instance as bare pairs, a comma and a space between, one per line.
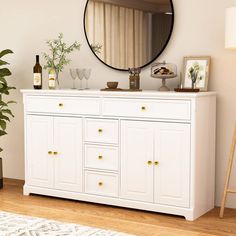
57, 59
5, 112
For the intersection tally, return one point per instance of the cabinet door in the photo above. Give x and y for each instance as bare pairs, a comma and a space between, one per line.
136, 151
39, 141
172, 174
68, 160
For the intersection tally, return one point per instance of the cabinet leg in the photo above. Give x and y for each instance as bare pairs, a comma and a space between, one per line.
189, 218
25, 191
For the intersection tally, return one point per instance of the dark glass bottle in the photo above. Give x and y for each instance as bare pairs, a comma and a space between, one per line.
37, 74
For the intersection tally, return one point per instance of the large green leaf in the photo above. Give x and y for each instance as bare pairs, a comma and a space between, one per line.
2, 132
10, 102
5, 72
9, 88
2, 63
3, 124
7, 111
5, 52
2, 117
2, 103
3, 80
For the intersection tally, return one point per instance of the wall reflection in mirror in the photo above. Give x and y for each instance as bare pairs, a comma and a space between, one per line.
128, 33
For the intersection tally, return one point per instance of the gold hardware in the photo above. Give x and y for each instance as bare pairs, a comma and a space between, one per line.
55, 153
149, 162
50, 152
143, 108
100, 183
100, 130
100, 157
156, 163
60, 104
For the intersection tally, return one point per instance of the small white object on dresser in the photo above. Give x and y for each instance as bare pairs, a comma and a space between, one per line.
145, 150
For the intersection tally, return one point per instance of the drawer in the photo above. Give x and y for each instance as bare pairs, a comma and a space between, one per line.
101, 183
100, 157
64, 105
101, 131
160, 109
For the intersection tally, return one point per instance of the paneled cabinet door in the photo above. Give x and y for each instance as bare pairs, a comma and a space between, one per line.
39, 139
137, 140
68, 153
172, 172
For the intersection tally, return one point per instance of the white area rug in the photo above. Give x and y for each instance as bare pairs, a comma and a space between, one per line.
19, 225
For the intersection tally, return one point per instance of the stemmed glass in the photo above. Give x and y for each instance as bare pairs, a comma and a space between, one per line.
80, 73
73, 75
87, 73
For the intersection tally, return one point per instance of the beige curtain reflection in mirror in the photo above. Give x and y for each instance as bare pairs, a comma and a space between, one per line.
124, 34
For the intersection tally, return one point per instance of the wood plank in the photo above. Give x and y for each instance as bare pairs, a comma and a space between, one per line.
114, 218
228, 174
231, 191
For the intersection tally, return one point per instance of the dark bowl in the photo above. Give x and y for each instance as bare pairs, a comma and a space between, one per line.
112, 84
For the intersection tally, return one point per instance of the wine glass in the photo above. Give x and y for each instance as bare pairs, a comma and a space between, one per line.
73, 75
80, 73
87, 73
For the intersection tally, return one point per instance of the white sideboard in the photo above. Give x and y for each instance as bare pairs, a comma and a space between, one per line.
146, 150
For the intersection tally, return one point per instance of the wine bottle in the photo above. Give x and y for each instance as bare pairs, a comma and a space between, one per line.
37, 74
51, 78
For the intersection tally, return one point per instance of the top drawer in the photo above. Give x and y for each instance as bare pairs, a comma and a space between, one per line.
159, 109
64, 105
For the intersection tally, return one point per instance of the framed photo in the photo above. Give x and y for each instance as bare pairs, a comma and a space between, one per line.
196, 69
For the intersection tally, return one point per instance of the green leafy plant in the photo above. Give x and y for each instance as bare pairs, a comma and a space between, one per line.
59, 50
194, 73
5, 112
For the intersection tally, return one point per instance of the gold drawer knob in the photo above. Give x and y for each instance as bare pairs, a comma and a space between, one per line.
156, 163
100, 130
100, 184
49, 152
55, 153
100, 157
143, 108
149, 162
60, 105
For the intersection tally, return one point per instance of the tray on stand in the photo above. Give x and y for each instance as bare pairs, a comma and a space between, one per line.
163, 71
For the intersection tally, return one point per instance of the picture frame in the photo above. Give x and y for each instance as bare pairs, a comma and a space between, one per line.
197, 68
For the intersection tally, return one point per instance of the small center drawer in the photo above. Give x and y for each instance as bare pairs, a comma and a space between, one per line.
159, 109
101, 131
100, 157
101, 184
64, 105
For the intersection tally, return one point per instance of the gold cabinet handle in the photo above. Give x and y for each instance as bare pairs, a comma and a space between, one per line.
156, 163
143, 108
100, 130
100, 184
49, 152
149, 162
60, 105
55, 153
100, 157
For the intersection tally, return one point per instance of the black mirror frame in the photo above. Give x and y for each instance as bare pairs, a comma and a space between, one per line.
150, 62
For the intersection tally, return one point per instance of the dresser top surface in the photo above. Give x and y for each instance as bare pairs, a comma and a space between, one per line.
98, 93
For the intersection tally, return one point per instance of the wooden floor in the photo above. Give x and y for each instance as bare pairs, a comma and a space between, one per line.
114, 218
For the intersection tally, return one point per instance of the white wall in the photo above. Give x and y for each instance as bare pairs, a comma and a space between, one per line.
199, 30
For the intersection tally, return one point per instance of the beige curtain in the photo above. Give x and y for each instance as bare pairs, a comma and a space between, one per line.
124, 33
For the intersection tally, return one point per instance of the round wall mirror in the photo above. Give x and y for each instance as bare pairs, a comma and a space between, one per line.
128, 33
